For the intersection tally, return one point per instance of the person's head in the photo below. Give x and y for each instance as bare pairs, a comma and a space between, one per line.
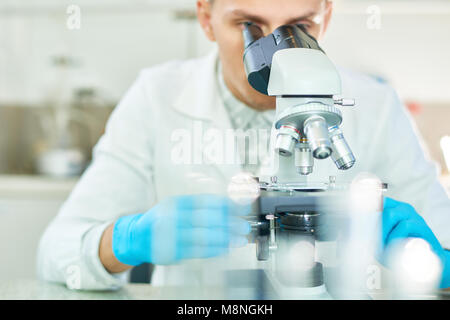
222, 21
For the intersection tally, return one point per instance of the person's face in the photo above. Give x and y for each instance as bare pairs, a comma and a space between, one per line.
223, 21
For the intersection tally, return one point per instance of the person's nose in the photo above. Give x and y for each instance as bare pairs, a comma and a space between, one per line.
270, 28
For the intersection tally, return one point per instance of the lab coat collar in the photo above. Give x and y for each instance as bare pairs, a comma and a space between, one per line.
200, 98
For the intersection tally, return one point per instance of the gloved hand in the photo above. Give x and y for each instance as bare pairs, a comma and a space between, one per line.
400, 221
182, 227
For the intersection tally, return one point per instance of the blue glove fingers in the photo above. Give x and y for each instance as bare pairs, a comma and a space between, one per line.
445, 282
400, 206
394, 212
240, 210
415, 228
239, 226
404, 229
390, 219
202, 201
209, 237
418, 229
197, 252
210, 217
238, 242
200, 252
211, 201
206, 218
208, 201
390, 203
197, 237
154, 236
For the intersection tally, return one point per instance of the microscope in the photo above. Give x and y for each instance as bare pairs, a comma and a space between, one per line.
290, 216
290, 65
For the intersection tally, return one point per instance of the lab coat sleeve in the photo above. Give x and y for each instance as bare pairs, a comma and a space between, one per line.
117, 183
404, 163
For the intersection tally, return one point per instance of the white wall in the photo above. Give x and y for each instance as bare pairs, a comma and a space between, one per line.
119, 37
411, 49
112, 45
27, 205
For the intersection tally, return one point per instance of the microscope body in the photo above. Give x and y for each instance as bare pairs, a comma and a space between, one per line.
289, 222
290, 65
290, 217
308, 123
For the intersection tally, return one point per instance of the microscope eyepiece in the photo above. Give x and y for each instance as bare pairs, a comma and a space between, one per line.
259, 50
251, 34
307, 120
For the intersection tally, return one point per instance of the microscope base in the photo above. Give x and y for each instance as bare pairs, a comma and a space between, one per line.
261, 285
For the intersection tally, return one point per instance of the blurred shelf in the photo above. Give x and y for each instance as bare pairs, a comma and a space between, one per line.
394, 7
35, 187
358, 7
104, 6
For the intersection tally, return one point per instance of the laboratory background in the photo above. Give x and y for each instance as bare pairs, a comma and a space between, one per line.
64, 65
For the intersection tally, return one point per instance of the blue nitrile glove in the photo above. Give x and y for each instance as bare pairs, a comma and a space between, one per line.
401, 221
182, 227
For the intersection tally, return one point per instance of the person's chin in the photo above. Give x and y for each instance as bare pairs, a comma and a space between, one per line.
256, 100
264, 104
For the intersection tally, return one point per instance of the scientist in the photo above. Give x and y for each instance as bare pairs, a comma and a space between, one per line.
153, 195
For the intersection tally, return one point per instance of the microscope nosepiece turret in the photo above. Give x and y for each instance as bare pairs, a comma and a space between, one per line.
316, 131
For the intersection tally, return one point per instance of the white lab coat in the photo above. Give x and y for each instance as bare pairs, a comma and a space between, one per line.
132, 168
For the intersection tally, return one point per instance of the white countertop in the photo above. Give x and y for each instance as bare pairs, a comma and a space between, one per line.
29, 289
39, 290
